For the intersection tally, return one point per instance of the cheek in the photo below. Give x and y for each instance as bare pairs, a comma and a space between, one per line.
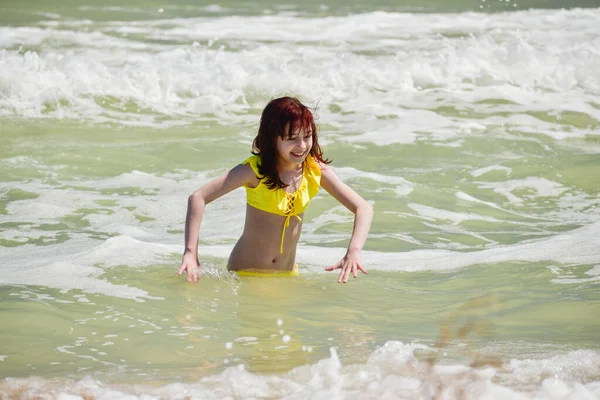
284, 147
281, 144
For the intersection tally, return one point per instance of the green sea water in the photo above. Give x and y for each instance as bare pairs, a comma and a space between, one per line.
18, 12
187, 327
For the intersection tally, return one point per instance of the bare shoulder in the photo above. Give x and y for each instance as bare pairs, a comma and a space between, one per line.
244, 174
328, 176
240, 175
322, 166
327, 172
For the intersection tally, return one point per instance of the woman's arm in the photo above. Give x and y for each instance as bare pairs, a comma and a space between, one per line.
236, 177
363, 214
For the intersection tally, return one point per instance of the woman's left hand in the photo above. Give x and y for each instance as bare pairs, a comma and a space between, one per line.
349, 264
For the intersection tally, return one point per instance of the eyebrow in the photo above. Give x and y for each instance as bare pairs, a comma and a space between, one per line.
297, 133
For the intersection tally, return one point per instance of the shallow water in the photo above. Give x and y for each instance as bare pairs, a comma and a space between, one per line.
475, 136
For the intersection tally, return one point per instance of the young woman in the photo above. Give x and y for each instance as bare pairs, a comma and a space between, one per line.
281, 178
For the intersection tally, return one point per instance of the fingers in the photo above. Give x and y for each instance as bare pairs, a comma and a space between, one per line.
347, 267
344, 273
346, 270
197, 276
193, 277
347, 273
193, 274
333, 267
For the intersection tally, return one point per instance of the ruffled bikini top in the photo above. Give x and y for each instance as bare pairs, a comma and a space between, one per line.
278, 201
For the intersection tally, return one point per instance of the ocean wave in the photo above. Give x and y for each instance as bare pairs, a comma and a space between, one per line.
540, 63
392, 371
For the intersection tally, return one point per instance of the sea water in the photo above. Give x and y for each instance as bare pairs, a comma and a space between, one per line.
472, 127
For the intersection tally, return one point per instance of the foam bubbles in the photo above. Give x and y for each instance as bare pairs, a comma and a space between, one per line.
390, 370
455, 217
557, 248
482, 171
542, 187
400, 185
391, 78
69, 269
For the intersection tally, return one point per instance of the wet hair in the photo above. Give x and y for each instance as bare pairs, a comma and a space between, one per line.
275, 117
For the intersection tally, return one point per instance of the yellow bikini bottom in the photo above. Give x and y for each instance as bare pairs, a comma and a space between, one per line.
268, 273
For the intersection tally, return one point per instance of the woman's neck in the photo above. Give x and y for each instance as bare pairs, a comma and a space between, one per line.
283, 167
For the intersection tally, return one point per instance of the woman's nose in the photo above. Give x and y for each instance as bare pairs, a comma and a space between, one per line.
302, 144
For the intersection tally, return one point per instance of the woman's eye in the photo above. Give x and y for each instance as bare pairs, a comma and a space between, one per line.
297, 136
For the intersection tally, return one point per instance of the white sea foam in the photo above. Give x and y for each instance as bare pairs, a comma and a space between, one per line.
410, 126
392, 371
481, 171
523, 123
338, 215
400, 185
542, 187
579, 246
568, 281
579, 207
542, 61
562, 367
78, 264
455, 217
595, 271
566, 275
466, 197
162, 200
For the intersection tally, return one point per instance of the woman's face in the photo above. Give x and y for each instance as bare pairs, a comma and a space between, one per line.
294, 147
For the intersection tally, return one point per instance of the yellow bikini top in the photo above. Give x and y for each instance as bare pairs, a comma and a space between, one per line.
278, 201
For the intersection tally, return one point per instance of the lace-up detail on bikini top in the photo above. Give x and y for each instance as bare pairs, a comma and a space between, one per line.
290, 205
289, 211
278, 201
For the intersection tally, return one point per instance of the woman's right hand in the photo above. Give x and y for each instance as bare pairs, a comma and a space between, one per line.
191, 266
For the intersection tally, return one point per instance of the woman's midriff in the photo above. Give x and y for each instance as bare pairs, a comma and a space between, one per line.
258, 247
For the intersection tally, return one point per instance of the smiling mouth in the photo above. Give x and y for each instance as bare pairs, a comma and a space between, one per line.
299, 155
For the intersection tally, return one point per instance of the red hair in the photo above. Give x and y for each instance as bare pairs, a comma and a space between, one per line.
275, 117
